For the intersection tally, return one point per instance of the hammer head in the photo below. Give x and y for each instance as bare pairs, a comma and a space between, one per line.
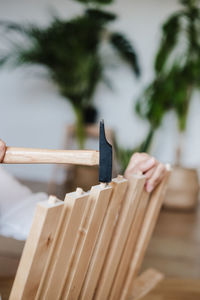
105, 156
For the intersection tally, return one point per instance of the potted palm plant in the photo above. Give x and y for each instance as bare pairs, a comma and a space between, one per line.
69, 50
177, 73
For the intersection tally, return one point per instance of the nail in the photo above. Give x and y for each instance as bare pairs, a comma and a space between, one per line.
103, 185
149, 187
139, 173
149, 163
79, 191
52, 200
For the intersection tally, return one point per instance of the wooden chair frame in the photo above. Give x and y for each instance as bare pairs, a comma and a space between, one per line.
91, 246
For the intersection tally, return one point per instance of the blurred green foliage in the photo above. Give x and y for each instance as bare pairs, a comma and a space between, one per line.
95, 1
69, 49
177, 70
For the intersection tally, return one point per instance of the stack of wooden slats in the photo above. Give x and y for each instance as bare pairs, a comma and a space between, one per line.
90, 246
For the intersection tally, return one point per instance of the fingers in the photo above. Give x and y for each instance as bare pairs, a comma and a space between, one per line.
145, 165
138, 157
156, 176
2, 150
149, 173
142, 163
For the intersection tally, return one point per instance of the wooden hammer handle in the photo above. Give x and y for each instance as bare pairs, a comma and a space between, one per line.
45, 156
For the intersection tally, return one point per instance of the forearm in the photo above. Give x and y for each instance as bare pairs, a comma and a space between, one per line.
2, 150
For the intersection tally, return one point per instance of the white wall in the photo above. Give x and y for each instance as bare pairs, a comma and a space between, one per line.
32, 113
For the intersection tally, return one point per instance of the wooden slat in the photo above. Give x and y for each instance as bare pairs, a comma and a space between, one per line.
81, 237
66, 236
129, 247
101, 197
135, 187
148, 225
143, 284
119, 186
36, 249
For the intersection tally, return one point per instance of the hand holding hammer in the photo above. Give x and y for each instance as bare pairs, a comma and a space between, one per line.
103, 157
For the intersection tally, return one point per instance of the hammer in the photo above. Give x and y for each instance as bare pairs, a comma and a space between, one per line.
103, 157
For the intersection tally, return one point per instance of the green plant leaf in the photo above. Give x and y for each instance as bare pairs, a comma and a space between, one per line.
123, 156
70, 51
168, 42
101, 16
145, 146
188, 3
4, 59
126, 50
103, 2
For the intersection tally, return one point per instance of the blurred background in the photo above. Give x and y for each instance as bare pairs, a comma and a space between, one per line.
66, 64
35, 114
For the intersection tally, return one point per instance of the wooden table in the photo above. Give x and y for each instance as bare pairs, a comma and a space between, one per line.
168, 289
5, 287
175, 289
175, 246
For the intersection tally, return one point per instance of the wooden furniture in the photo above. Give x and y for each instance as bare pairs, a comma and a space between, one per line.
91, 246
175, 288
183, 190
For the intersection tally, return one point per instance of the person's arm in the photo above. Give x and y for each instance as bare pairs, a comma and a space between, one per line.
2, 150
147, 165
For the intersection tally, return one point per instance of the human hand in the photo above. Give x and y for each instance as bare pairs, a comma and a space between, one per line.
153, 170
2, 150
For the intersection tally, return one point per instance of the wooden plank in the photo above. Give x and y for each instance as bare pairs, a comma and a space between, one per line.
148, 225
81, 237
36, 249
129, 247
145, 283
66, 236
101, 196
119, 186
135, 187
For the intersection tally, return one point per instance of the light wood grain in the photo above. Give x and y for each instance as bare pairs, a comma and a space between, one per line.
74, 207
101, 197
174, 249
46, 156
135, 187
144, 283
36, 250
81, 238
175, 289
148, 225
100, 239
119, 186
125, 260
166, 289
